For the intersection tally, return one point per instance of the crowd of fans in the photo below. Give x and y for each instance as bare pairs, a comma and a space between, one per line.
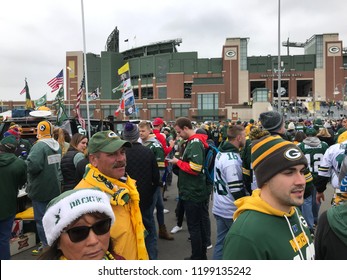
271, 170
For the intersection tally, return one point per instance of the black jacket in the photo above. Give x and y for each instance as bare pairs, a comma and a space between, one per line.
327, 245
142, 167
81, 168
68, 170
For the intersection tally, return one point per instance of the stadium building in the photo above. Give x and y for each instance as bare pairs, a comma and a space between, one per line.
170, 84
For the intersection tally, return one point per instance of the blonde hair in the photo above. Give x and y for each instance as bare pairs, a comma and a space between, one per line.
58, 135
324, 132
145, 124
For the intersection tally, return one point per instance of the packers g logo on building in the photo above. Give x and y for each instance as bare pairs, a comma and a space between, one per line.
230, 53
334, 49
292, 154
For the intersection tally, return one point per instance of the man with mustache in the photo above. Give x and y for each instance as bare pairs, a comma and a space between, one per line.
269, 225
106, 171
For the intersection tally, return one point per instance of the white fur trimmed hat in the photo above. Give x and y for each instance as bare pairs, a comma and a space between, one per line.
69, 206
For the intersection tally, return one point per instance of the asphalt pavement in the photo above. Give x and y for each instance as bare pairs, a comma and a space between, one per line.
180, 247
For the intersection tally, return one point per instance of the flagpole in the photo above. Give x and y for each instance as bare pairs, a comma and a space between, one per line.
124, 107
133, 94
68, 94
85, 68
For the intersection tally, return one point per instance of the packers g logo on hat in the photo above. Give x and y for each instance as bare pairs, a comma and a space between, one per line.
42, 127
292, 154
112, 135
271, 155
44, 130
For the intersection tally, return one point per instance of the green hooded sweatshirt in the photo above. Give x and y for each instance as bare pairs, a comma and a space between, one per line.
13, 176
261, 232
337, 217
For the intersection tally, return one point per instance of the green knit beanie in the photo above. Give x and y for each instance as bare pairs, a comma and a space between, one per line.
271, 155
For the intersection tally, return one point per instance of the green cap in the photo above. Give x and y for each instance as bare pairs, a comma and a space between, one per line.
107, 142
318, 122
310, 131
9, 144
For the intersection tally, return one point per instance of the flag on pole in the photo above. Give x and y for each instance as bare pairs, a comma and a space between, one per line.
23, 91
57, 81
60, 107
41, 101
95, 94
123, 69
120, 107
28, 102
78, 103
119, 88
128, 98
129, 102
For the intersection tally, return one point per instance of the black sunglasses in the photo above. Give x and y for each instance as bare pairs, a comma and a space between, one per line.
78, 234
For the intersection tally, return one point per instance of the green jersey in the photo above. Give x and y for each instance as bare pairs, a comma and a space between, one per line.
158, 151
191, 176
313, 150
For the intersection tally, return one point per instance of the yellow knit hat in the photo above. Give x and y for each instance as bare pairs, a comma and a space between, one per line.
44, 130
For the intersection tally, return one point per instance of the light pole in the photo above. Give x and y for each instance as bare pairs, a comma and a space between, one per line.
279, 58
343, 91
272, 80
68, 89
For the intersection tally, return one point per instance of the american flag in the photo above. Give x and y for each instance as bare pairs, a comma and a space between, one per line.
56, 81
77, 107
23, 91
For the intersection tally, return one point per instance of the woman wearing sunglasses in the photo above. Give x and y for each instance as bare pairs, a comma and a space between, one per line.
77, 226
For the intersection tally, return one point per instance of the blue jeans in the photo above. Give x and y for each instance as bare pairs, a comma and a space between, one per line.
159, 204
151, 239
223, 226
307, 212
39, 210
315, 206
5, 236
196, 221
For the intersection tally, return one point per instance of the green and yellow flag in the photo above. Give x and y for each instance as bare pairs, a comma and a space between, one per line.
41, 102
28, 103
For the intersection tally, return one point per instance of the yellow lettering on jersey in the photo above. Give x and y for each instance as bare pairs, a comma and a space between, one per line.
300, 239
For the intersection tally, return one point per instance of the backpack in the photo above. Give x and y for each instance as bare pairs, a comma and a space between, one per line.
210, 155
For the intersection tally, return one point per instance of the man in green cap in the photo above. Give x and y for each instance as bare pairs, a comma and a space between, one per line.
106, 171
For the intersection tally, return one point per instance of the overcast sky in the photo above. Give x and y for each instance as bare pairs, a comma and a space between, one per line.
36, 34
